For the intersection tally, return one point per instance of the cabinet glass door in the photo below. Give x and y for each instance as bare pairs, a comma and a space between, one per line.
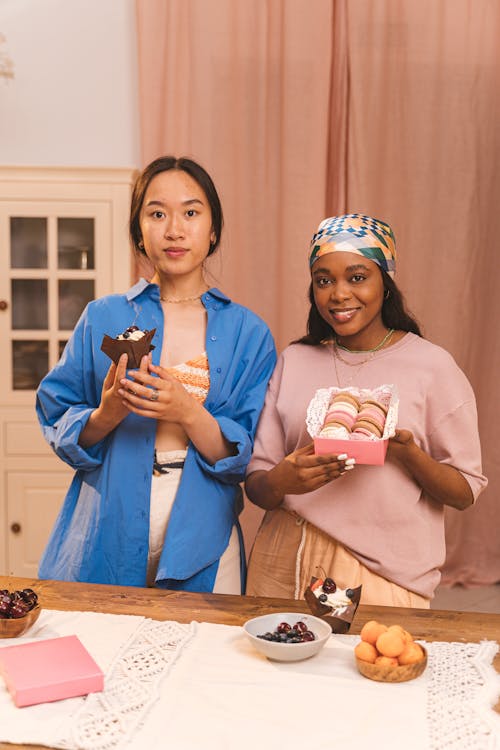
50, 276
28, 242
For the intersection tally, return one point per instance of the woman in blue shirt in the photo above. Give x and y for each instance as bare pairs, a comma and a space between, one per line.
159, 451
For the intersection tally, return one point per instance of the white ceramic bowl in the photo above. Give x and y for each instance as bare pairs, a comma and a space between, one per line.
287, 651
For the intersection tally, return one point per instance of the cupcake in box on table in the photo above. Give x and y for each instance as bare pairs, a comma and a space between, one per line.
357, 421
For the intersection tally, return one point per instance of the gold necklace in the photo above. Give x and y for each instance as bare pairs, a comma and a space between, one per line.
358, 365
182, 299
370, 352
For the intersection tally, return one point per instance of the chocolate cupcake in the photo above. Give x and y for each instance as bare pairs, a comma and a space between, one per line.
133, 342
332, 604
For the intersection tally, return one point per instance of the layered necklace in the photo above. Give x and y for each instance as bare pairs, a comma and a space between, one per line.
358, 365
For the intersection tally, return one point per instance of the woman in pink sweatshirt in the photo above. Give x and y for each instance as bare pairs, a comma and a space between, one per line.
379, 526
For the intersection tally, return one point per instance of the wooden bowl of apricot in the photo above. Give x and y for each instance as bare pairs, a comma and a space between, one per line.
389, 654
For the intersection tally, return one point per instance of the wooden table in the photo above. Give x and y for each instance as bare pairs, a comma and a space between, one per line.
428, 625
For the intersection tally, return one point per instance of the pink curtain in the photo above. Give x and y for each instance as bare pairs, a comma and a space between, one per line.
416, 140
300, 111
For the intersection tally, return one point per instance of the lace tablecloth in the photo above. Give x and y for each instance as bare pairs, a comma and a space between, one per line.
202, 686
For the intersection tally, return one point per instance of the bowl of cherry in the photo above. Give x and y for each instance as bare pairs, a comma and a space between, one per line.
287, 636
19, 610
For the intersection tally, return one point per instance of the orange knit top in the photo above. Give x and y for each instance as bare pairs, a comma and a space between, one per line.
194, 376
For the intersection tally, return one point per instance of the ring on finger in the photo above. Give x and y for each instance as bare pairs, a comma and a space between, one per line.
155, 395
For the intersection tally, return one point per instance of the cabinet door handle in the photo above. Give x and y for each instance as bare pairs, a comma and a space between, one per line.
3, 304
15, 528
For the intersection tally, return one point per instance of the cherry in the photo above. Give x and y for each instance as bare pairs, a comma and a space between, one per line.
18, 609
329, 586
30, 598
308, 636
283, 627
300, 626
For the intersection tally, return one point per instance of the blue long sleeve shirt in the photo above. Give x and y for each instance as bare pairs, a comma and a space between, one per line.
102, 531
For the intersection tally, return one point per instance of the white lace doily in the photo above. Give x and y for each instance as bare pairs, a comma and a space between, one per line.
463, 689
386, 394
107, 720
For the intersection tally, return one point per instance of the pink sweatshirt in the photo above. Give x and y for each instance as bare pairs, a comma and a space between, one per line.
379, 512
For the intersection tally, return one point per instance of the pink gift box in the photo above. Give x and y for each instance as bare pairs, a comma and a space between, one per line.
364, 451
49, 670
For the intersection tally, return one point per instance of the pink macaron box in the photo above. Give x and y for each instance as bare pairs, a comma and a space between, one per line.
365, 451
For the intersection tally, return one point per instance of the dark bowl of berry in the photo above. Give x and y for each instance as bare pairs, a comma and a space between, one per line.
287, 636
19, 610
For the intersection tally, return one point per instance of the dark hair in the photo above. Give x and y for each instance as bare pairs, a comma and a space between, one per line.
182, 164
394, 315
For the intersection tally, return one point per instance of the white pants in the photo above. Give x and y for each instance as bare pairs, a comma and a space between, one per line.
163, 491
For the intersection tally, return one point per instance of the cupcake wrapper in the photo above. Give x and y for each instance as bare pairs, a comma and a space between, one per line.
135, 350
340, 623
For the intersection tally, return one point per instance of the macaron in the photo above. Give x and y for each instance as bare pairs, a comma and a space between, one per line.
345, 397
335, 432
341, 416
373, 415
376, 404
367, 426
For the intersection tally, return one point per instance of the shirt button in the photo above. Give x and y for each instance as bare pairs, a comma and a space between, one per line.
219, 369
213, 338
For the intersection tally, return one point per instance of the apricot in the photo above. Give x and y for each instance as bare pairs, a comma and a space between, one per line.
390, 643
411, 653
386, 661
371, 631
366, 652
406, 636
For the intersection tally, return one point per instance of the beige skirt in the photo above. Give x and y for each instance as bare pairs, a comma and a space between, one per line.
288, 550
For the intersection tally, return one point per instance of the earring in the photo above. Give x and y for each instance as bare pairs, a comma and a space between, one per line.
141, 245
387, 294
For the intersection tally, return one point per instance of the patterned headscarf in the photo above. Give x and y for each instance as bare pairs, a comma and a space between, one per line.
356, 233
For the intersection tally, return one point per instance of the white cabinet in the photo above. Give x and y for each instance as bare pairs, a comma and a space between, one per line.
63, 242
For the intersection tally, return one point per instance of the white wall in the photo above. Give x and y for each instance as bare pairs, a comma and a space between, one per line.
74, 100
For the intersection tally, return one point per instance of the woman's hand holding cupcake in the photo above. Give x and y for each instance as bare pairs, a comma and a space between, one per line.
111, 410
